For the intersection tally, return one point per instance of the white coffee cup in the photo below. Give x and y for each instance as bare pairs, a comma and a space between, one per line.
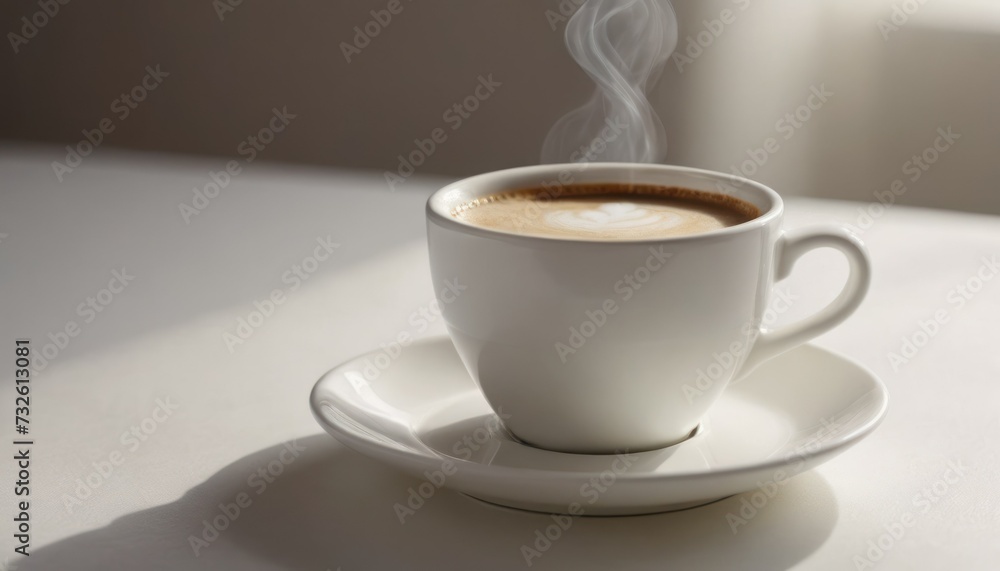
581, 359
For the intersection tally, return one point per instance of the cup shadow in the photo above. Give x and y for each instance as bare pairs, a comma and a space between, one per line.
332, 508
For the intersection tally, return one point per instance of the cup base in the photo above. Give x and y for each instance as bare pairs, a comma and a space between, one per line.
697, 429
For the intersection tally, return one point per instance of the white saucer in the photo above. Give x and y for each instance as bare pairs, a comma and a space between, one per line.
424, 415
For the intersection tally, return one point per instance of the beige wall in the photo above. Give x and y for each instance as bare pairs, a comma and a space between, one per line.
890, 97
226, 76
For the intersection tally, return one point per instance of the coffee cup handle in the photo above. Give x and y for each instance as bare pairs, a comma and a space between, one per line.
788, 249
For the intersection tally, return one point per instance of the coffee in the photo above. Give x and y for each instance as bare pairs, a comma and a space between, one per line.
607, 211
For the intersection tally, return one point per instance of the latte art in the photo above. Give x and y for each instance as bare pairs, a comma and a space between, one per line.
607, 212
612, 216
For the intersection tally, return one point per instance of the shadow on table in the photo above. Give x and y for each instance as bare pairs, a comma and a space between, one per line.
330, 508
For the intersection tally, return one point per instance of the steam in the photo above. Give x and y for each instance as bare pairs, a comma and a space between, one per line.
622, 45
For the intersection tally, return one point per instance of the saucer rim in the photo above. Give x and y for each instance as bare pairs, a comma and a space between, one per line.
477, 469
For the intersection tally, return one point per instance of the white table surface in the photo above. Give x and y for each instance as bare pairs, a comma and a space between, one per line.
162, 337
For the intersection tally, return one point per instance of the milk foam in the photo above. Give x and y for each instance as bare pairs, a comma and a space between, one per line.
613, 216
606, 211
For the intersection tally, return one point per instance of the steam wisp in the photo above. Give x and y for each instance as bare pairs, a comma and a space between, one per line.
622, 45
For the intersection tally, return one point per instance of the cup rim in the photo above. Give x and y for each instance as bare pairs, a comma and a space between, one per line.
439, 204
